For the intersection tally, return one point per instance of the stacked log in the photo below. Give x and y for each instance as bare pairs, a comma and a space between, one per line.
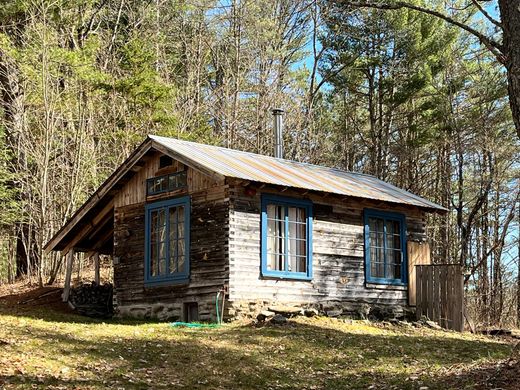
93, 300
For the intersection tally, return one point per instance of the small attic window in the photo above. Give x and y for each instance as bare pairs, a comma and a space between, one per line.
166, 183
165, 161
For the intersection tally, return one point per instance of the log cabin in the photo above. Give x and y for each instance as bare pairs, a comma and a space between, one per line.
185, 222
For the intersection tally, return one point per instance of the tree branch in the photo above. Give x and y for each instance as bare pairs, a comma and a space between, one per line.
486, 14
493, 46
496, 245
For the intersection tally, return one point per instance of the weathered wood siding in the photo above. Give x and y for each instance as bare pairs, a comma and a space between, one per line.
135, 190
208, 248
338, 253
418, 254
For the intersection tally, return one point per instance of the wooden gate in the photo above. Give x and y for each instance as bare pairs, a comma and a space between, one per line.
440, 294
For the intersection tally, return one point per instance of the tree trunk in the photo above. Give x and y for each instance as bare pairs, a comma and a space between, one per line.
510, 15
518, 275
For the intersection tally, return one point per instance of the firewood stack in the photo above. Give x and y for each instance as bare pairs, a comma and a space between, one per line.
93, 300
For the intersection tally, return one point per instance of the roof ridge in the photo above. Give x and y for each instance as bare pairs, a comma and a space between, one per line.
266, 156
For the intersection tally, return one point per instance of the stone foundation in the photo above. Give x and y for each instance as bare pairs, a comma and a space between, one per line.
248, 310
166, 311
239, 310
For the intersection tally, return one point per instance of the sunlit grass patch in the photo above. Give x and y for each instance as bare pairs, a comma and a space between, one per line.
42, 349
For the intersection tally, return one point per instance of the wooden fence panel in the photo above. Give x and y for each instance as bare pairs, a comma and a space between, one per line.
440, 294
418, 253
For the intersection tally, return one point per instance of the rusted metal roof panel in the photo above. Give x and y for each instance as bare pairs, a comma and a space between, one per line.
266, 169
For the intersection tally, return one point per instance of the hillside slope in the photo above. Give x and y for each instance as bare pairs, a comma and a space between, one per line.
43, 347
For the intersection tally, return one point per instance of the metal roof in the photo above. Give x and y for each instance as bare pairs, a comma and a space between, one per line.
266, 169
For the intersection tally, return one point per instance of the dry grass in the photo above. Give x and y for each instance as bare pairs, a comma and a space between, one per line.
50, 349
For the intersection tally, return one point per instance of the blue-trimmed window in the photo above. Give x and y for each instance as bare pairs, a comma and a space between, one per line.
385, 247
167, 241
286, 237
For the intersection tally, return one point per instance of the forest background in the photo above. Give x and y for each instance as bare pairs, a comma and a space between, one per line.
398, 94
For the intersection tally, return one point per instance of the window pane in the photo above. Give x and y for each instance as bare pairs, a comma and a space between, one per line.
376, 254
393, 238
390, 242
372, 224
296, 254
275, 211
172, 182
153, 258
396, 227
377, 270
162, 257
181, 264
373, 268
297, 214
380, 270
153, 227
380, 240
389, 228
397, 266
180, 247
275, 262
182, 179
276, 238
390, 261
173, 260
162, 184
297, 263
380, 225
161, 225
396, 240
180, 214
173, 223
376, 263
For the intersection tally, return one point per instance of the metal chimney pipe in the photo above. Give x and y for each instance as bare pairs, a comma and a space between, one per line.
278, 132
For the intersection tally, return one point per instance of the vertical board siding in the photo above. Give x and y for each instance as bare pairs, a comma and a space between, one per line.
440, 294
135, 190
338, 252
418, 253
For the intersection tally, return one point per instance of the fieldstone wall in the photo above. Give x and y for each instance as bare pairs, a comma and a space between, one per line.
239, 310
168, 311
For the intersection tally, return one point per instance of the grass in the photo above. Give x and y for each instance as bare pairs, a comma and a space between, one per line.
46, 349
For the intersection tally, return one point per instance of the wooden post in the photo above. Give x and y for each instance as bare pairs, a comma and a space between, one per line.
96, 268
68, 275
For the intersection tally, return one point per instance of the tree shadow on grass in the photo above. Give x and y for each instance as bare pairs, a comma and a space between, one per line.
298, 355
46, 304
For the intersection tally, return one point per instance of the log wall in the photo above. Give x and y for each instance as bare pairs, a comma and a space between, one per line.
208, 248
338, 284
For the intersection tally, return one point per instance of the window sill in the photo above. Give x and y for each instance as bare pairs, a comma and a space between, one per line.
281, 276
386, 286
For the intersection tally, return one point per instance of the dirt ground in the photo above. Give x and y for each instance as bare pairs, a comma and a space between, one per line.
25, 296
